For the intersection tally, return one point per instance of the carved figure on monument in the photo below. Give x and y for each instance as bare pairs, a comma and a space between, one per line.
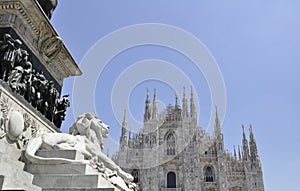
18, 52
60, 111
39, 83
86, 136
51, 97
7, 55
33, 88
19, 75
15, 78
48, 6
21, 58
27, 77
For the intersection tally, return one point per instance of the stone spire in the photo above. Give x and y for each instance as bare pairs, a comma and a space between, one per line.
124, 128
239, 151
218, 134
218, 130
184, 105
234, 153
193, 107
253, 147
245, 146
124, 123
176, 101
147, 114
154, 107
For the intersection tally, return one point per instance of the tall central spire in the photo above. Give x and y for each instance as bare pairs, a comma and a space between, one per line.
154, 107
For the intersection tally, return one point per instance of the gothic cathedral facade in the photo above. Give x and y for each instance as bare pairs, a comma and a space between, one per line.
172, 153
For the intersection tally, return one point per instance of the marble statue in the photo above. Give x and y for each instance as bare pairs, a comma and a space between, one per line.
85, 136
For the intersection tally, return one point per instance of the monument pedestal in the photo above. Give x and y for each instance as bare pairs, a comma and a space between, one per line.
68, 176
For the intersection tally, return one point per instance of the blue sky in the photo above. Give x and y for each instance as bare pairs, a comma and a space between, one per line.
255, 43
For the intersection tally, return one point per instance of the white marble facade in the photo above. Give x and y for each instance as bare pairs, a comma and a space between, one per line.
171, 153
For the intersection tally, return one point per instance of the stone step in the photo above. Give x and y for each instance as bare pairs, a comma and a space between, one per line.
60, 169
79, 189
14, 172
71, 181
6, 159
17, 184
68, 154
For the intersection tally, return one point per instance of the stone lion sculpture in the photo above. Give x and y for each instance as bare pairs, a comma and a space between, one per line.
85, 136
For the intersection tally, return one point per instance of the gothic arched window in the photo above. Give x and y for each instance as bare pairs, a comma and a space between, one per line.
170, 144
209, 174
135, 173
171, 180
